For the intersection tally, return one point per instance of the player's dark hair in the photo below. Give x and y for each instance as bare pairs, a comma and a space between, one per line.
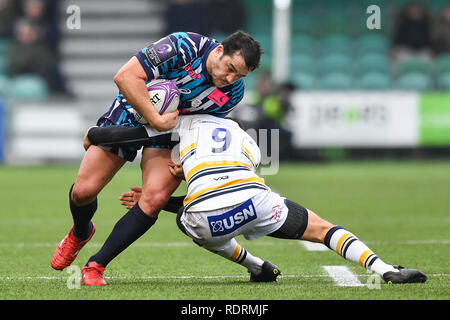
249, 48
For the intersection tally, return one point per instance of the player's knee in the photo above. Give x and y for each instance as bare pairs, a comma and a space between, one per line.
153, 201
83, 194
318, 227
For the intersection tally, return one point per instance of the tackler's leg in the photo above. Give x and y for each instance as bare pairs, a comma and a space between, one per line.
304, 224
260, 271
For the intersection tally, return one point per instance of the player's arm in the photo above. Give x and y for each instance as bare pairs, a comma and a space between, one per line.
130, 80
129, 199
117, 136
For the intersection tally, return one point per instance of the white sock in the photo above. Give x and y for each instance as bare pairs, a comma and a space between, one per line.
380, 267
352, 249
238, 254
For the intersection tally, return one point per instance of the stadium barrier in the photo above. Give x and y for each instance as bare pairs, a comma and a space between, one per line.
45, 132
364, 119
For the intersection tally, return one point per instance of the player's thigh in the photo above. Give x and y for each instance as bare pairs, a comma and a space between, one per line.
157, 181
302, 223
97, 168
316, 229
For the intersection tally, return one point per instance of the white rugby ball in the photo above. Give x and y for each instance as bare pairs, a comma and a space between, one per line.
164, 95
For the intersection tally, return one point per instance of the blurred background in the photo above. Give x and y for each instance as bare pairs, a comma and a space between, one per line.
340, 79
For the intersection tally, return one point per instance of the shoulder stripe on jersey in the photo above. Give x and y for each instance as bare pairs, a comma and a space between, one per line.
249, 155
203, 40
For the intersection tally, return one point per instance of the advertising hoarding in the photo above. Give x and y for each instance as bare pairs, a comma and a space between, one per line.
355, 119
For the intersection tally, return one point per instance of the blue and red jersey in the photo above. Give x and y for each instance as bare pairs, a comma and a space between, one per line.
181, 57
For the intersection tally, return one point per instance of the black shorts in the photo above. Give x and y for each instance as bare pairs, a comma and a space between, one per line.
295, 224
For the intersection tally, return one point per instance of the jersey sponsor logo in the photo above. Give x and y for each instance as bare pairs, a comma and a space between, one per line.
160, 51
218, 97
230, 221
188, 68
184, 91
221, 178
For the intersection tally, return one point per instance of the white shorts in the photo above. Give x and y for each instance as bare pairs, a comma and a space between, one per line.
262, 214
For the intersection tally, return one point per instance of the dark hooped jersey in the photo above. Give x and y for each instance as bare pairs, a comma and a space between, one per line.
181, 57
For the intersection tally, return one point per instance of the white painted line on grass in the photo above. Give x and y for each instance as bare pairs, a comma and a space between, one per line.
13, 278
314, 246
18, 245
158, 277
342, 276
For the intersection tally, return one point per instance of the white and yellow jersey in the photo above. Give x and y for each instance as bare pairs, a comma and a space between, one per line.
219, 160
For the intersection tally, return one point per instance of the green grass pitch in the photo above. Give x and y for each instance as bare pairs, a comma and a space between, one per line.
400, 209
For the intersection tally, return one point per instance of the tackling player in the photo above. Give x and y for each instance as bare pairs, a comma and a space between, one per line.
208, 75
226, 198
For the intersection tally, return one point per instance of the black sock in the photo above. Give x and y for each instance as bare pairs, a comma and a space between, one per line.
82, 217
127, 230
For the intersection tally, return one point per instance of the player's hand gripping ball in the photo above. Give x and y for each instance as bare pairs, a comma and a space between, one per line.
164, 95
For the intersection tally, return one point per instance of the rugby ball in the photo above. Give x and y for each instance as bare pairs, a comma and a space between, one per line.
164, 95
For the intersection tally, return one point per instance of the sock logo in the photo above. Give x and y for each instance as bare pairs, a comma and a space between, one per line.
229, 221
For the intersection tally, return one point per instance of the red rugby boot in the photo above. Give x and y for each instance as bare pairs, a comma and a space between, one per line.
68, 249
93, 274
